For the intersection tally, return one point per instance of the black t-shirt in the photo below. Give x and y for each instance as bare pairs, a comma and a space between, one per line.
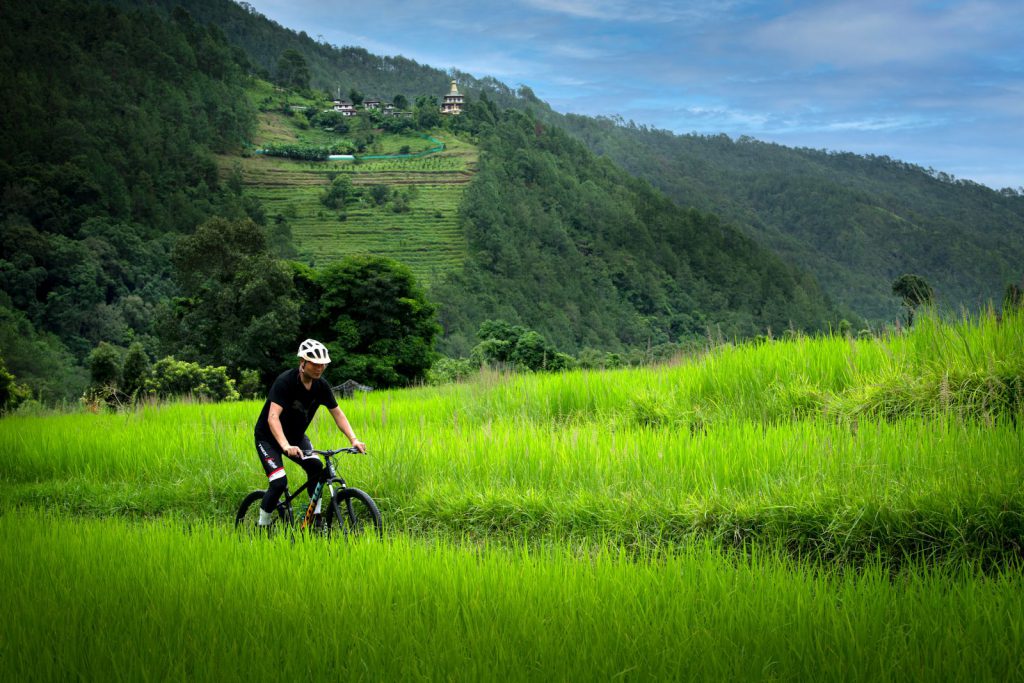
298, 405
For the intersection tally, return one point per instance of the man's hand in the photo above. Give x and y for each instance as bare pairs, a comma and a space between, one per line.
293, 451
356, 443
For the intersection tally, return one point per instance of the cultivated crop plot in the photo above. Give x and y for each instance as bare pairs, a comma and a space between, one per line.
812, 509
404, 208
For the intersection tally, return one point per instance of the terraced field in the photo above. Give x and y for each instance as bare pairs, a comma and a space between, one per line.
426, 236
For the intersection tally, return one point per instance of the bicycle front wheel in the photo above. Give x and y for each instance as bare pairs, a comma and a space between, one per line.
248, 516
353, 512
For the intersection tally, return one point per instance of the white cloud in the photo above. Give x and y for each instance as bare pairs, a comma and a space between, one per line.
872, 34
657, 11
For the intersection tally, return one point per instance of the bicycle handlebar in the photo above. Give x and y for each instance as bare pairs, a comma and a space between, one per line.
351, 449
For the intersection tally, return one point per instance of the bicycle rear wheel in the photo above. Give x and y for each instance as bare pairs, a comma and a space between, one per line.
352, 513
248, 516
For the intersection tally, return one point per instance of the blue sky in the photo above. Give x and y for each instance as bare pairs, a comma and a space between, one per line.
939, 83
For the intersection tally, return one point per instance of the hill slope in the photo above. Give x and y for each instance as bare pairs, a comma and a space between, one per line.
420, 229
566, 243
856, 222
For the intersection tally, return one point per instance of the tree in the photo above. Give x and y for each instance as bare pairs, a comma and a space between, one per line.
136, 369
339, 192
292, 70
240, 309
400, 102
11, 393
356, 97
915, 291
376, 321
105, 366
379, 194
426, 112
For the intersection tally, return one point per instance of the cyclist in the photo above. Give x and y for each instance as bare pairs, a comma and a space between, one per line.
281, 428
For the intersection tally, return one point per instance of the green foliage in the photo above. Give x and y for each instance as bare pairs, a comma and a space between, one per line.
39, 360
105, 364
339, 193
426, 112
135, 370
379, 193
332, 120
12, 394
249, 385
505, 345
374, 318
447, 370
171, 378
568, 245
292, 71
914, 291
852, 220
109, 128
239, 307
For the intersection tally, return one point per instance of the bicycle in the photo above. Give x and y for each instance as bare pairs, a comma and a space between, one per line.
349, 510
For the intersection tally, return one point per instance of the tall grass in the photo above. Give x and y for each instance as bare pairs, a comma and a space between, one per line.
108, 600
727, 446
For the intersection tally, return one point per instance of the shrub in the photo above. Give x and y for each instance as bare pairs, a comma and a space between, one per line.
171, 378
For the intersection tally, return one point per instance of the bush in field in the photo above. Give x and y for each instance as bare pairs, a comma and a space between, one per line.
339, 193
11, 393
448, 370
502, 343
915, 291
379, 194
105, 366
170, 378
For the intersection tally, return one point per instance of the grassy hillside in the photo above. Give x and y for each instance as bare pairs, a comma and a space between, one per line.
832, 447
425, 235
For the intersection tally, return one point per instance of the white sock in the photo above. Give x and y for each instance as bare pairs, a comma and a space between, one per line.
266, 518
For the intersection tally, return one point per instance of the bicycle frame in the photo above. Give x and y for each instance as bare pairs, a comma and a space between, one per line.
328, 481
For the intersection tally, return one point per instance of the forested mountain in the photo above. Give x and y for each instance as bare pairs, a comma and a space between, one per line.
335, 67
115, 112
107, 171
568, 244
856, 222
109, 122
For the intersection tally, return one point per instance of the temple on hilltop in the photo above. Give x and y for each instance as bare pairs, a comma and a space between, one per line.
453, 101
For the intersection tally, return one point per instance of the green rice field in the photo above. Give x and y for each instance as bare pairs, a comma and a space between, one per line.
810, 509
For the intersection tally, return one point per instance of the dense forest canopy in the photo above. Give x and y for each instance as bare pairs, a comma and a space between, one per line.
856, 222
569, 245
105, 158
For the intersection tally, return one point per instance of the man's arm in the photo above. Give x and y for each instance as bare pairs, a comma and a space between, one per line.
345, 427
274, 421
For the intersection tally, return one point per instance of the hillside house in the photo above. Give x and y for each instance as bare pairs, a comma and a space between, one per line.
453, 101
345, 107
371, 103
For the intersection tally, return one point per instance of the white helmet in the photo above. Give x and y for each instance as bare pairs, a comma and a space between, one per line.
314, 352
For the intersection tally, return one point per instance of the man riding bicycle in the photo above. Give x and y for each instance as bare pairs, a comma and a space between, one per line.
281, 428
